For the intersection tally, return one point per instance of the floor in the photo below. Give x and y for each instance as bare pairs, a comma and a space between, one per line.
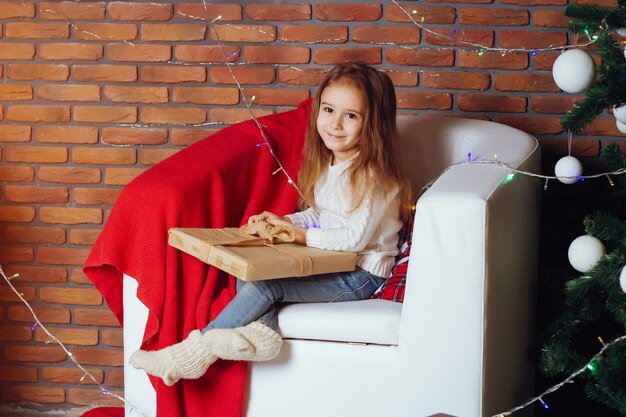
27, 410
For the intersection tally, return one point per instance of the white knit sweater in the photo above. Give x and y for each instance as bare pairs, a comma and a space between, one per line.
371, 230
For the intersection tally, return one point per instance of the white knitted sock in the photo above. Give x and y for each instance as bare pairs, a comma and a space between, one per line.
188, 359
254, 342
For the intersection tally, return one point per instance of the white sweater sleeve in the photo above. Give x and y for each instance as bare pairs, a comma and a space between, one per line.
357, 230
308, 218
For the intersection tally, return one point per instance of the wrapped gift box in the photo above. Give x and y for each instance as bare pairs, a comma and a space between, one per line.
250, 258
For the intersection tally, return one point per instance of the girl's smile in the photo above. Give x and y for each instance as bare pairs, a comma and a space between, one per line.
340, 120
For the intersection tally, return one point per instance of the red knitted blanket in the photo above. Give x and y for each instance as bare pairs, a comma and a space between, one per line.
218, 182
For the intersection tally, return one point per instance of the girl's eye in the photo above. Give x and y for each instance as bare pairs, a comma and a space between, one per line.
327, 109
351, 116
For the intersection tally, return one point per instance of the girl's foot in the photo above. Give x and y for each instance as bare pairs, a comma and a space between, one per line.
254, 342
188, 359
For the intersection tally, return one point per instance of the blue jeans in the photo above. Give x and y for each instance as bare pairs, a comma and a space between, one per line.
256, 300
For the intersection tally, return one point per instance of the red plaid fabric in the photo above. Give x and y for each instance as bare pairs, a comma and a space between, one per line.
393, 288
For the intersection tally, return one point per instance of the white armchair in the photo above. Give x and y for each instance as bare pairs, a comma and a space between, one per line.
458, 344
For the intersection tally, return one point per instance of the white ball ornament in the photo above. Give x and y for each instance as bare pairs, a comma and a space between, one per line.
622, 279
621, 126
574, 71
568, 169
584, 252
620, 113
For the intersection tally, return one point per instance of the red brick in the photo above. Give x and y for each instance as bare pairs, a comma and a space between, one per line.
183, 137
36, 154
14, 133
134, 94
38, 113
173, 75
29, 393
13, 9
368, 55
17, 214
550, 18
21, 51
93, 396
39, 354
491, 103
37, 30
207, 53
31, 72
245, 75
133, 136
530, 39
580, 147
62, 375
402, 78
138, 52
348, 12
15, 333
7, 294
231, 116
72, 11
397, 35
115, 378
526, 82
84, 237
535, 2
279, 12
456, 80
102, 357
172, 32
57, 92
274, 97
121, 176
70, 215
493, 60
421, 57
62, 256
79, 277
533, 125
15, 92
70, 175
66, 134
105, 31
70, 51
149, 157
552, 104
95, 196
487, 16
125, 10
105, 73
69, 336
9, 373
314, 34
56, 315
243, 33
113, 338
105, 114
107, 156
462, 1
462, 38
277, 54
95, 317
174, 115
35, 194
16, 253
199, 11
35, 273
424, 100
302, 76
437, 14
602, 127
205, 95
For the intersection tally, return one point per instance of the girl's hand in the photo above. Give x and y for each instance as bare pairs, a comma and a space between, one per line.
269, 217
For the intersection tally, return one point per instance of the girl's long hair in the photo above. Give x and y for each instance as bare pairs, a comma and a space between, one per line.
377, 166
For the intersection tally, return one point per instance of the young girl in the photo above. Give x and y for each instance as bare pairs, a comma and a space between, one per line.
355, 183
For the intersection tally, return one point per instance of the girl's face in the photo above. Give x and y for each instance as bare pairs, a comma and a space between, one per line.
340, 120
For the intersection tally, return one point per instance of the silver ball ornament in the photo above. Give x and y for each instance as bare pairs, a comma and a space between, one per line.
574, 71
568, 169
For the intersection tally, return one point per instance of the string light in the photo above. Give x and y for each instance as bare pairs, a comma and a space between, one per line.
69, 354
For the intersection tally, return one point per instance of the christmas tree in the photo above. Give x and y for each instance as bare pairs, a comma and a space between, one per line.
594, 312
608, 89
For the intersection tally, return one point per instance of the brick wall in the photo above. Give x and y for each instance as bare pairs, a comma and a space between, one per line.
95, 92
